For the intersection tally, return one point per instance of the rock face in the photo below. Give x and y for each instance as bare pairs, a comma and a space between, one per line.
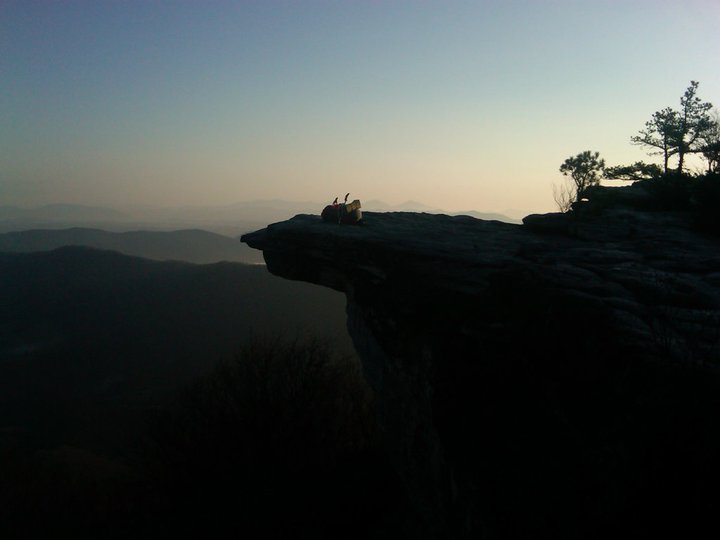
524, 373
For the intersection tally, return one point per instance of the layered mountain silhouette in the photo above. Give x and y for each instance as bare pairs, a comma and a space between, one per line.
83, 329
193, 245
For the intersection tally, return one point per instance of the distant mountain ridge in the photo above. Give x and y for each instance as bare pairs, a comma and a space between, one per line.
193, 245
414, 206
235, 218
487, 216
60, 212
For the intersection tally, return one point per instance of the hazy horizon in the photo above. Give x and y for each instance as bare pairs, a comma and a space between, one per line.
313, 205
457, 105
228, 219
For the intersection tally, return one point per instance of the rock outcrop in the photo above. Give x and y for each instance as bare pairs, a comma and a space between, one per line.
524, 372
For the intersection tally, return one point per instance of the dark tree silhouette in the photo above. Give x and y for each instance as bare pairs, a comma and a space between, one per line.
671, 132
695, 122
659, 134
585, 170
631, 173
711, 143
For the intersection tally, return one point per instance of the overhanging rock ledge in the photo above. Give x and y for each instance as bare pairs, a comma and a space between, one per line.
479, 335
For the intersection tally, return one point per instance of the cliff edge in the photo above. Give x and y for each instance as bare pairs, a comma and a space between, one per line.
523, 373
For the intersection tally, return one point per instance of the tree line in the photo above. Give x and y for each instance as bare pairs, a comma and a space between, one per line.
673, 134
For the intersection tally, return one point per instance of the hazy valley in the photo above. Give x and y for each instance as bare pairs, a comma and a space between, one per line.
100, 350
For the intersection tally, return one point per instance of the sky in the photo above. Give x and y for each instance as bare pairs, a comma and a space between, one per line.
460, 105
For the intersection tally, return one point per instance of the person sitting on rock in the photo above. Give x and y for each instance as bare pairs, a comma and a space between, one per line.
343, 213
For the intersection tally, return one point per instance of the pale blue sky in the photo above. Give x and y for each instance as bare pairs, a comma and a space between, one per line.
460, 105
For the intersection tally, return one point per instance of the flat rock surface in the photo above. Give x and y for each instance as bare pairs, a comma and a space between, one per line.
614, 255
